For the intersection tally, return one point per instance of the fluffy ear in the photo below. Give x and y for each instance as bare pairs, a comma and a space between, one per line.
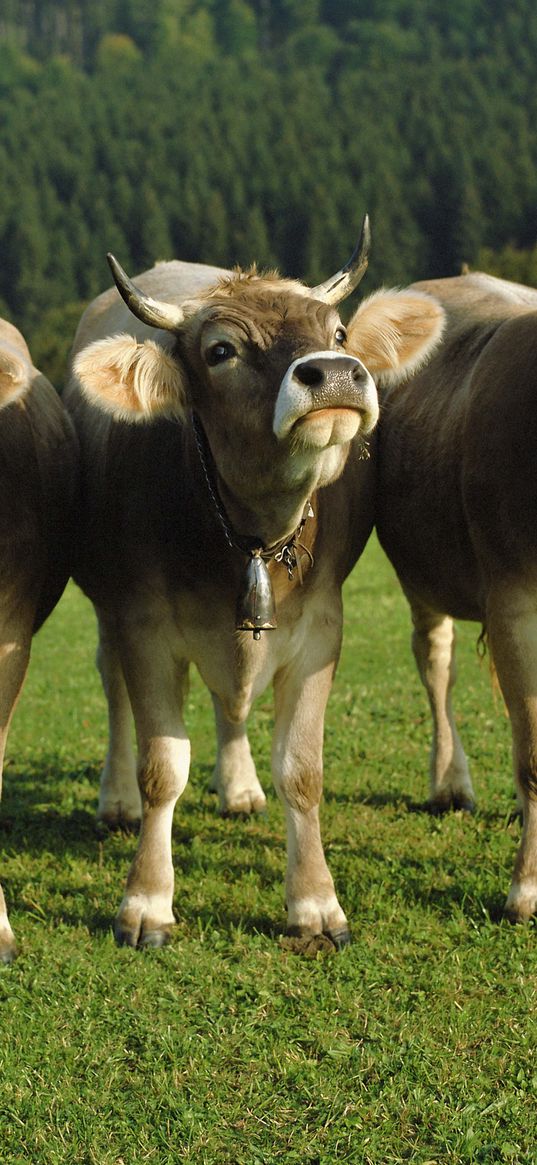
134, 381
14, 377
394, 332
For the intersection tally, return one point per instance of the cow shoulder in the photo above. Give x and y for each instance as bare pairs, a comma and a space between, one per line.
394, 332
133, 380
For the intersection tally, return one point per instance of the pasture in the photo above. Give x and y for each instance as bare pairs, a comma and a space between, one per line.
414, 1044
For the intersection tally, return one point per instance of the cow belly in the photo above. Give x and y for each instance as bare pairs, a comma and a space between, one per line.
421, 519
432, 556
199, 630
237, 668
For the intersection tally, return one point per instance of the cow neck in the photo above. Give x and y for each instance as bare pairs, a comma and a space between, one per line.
257, 586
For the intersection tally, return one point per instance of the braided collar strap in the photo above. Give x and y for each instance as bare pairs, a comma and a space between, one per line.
255, 605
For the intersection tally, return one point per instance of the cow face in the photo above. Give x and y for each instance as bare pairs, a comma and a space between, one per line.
280, 386
278, 395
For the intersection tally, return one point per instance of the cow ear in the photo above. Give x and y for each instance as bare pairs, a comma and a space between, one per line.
14, 378
134, 381
394, 332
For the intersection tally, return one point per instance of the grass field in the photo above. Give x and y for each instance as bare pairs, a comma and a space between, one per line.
417, 1043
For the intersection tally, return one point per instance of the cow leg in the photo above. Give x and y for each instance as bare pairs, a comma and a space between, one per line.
157, 684
433, 644
14, 656
301, 694
119, 796
512, 632
234, 779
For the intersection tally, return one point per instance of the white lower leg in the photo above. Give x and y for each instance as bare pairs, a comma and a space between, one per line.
312, 904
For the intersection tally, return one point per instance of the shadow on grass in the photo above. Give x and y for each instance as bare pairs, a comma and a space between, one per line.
206, 846
395, 799
33, 828
43, 814
450, 902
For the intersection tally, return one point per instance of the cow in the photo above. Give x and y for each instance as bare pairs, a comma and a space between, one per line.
38, 483
223, 419
456, 515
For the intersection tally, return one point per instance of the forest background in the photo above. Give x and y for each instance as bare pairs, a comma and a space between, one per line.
225, 131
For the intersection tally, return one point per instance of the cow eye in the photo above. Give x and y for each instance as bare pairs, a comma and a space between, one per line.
217, 353
340, 335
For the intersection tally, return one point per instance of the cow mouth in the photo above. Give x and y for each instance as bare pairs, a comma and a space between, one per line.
329, 425
328, 411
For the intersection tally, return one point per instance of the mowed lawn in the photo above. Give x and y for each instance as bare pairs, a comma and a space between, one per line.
417, 1043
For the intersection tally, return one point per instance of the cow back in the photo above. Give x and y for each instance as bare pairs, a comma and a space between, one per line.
433, 443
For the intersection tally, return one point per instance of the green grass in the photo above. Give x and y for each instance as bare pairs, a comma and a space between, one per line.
414, 1044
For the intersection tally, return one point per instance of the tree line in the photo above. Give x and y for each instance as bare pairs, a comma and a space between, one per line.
225, 131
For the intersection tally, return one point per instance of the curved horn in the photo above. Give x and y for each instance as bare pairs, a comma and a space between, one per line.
341, 285
150, 311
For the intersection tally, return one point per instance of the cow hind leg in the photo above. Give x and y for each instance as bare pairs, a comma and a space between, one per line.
433, 644
157, 684
512, 631
119, 806
234, 778
297, 763
14, 656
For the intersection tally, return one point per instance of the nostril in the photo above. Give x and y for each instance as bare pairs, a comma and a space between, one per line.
309, 374
359, 374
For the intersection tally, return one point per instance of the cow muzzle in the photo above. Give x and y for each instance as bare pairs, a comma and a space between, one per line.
326, 398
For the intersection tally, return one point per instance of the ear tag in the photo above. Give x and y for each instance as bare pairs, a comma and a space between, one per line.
255, 603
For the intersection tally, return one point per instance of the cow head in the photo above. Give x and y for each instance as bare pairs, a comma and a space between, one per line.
280, 385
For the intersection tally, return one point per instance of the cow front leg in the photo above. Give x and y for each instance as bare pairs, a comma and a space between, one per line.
157, 686
512, 631
119, 796
14, 655
297, 765
234, 778
433, 644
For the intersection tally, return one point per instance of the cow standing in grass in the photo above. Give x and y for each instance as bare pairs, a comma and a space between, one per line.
224, 456
38, 467
457, 516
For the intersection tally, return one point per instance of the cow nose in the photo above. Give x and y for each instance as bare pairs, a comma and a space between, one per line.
330, 371
310, 374
325, 380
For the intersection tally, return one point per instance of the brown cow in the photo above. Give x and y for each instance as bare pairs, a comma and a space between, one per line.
38, 467
247, 474
457, 517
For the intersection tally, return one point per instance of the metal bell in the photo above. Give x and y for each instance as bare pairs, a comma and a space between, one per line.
255, 603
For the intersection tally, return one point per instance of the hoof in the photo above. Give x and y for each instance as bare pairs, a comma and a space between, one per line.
439, 808
8, 954
340, 938
244, 805
129, 936
464, 805
312, 944
514, 917
523, 912
154, 939
115, 823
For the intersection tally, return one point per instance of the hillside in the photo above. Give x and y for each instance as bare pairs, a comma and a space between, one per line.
228, 130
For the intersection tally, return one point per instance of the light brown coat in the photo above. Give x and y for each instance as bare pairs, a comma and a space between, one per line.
38, 473
287, 403
457, 506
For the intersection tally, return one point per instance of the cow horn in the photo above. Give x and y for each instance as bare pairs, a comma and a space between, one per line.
341, 285
151, 311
